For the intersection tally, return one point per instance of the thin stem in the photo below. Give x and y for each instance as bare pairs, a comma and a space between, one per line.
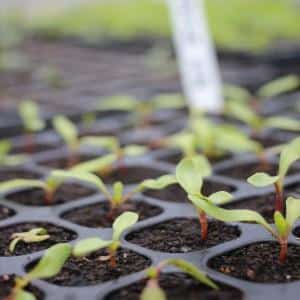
72, 160
112, 260
283, 251
204, 225
29, 143
49, 195
279, 205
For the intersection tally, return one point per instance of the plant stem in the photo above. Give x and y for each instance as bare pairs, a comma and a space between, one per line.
278, 197
49, 194
204, 225
112, 261
29, 143
283, 251
73, 160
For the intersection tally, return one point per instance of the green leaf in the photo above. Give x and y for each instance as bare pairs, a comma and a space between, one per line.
67, 130
158, 183
191, 270
123, 222
5, 147
81, 176
118, 189
29, 114
96, 165
220, 198
134, 150
152, 291
88, 246
284, 123
119, 102
10, 185
168, 101
185, 141
190, 173
281, 224
52, 262
279, 86
24, 295
261, 179
236, 93
107, 142
292, 210
289, 154
226, 215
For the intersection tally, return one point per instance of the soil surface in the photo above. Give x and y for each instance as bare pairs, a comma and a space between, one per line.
37, 148
57, 235
174, 193
5, 212
63, 162
92, 269
7, 282
13, 173
244, 170
67, 192
259, 263
98, 215
178, 286
182, 235
131, 174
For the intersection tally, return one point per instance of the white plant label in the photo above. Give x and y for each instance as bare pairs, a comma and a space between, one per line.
196, 54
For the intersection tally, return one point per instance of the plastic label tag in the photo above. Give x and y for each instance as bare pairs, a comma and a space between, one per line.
196, 54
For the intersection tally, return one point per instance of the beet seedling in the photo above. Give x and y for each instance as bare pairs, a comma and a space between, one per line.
189, 174
34, 235
49, 266
290, 153
117, 197
153, 291
9, 160
90, 245
32, 123
283, 225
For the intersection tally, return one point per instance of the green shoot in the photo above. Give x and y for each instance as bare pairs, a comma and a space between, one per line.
90, 245
35, 235
189, 174
9, 160
49, 266
283, 226
290, 153
154, 291
117, 197
29, 114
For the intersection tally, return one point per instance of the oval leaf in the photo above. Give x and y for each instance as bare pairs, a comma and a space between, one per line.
23, 295
159, 183
152, 291
123, 222
107, 142
281, 224
292, 210
85, 247
220, 198
67, 130
52, 262
119, 102
284, 123
29, 113
262, 179
21, 184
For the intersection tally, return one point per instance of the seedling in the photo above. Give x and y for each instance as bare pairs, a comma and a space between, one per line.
153, 291
34, 235
143, 110
289, 154
32, 123
49, 266
117, 198
283, 225
189, 174
90, 245
9, 160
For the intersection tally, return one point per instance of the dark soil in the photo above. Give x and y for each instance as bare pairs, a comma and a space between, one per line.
63, 162
5, 212
97, 215
178, 286
259, 263
131, 174
13, 173
294, 189
57, 235
92, 270
67, 192
182, 235
245, 170
174, 193
7, 282
268, 142
37, 148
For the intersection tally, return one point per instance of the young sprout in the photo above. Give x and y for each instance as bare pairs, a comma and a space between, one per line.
9, 160
283, 225
117, 196
49, 266
29, 113
153, 291
189, 174
90, 245
290, 153
34, 235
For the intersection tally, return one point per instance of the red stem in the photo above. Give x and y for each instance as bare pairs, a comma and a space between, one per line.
278, 198
73, 160
204, 225
112, 261
49, 195
29, 143
283, 251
